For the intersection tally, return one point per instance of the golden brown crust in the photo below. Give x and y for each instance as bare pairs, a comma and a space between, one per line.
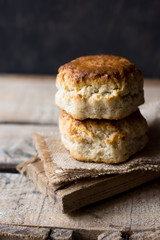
100, 86
107, 141
92, 125
102, 68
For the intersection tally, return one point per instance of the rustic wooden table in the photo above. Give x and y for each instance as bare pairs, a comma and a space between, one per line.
27, 106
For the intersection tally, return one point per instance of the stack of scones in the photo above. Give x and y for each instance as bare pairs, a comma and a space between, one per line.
99, 98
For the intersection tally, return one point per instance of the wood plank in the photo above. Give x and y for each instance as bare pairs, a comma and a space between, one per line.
131, 235
78, 194
146, 235
16, 143
86, 234
109, 235
22, 204
61, 234
9, 232
15, 232
91, 191
28, 99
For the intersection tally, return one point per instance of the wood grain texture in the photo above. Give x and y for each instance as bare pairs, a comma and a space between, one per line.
61, 234
78, 194
131, 235
14, 232
109, 235
28, 99
16, 143
9, 232
22, 204
146, 235
91, 191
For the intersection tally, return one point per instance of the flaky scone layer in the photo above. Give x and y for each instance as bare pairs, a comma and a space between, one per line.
84, 105
100, 87
103, 140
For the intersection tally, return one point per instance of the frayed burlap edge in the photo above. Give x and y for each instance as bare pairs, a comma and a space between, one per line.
57, 174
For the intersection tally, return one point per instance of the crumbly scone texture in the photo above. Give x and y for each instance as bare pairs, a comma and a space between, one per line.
106, 141
98, 105
100, 86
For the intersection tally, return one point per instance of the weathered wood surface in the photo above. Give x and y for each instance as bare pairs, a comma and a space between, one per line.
28, 100
22, 204
71, 197
31, 99
61, 234
8, 232
130, 235
16, 143
12, 232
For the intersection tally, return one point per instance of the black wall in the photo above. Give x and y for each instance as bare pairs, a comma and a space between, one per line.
37, 36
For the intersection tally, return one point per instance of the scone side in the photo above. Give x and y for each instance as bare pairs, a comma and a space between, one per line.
98, 107
143, 140
100, 86
102, 140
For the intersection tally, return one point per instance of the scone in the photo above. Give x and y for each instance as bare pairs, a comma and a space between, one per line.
106, 141
99, 87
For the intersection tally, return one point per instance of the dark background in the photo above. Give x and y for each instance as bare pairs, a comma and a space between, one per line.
37, 36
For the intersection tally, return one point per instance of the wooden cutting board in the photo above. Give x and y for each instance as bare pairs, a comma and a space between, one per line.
72, 196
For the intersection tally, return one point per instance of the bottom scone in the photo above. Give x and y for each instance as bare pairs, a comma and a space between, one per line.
106, 141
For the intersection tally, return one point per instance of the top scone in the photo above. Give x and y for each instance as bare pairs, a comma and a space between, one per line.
99, 87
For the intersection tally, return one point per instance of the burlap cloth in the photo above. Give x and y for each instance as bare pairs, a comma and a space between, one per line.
60, 167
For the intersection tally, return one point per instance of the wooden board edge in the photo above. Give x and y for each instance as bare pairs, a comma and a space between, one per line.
105, 188
71, 197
